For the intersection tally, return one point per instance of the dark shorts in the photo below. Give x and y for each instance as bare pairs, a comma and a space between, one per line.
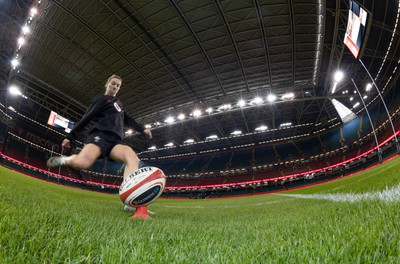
106, 141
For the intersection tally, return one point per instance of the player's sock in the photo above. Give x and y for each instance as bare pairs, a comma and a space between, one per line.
57, 161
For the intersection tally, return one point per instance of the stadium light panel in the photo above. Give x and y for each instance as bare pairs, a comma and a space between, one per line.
188, 141
288, 96
286, 124
21, 41
236, 132
365, 97
212, 137
196, 113
34, 11
225, 107
152, 148
14, 90
338, 77
169, 120
25, 29
209, 110
170, 144
271, 98
241, 103
14, 63
181, 116
368, 87
257, 101
261, 128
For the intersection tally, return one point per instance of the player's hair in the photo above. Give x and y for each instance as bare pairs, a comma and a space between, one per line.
111, 77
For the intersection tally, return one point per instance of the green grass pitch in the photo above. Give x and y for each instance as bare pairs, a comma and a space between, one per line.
47, 223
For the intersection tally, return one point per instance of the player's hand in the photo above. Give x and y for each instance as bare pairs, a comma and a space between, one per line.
148, 134
66, 144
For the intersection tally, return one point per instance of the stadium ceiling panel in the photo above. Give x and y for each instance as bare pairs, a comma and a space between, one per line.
176, 56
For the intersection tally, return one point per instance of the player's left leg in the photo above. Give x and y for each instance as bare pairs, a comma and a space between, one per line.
125, 154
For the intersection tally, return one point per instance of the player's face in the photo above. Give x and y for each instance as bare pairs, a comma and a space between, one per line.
113, 87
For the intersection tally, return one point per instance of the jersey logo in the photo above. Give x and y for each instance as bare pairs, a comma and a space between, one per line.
117, 107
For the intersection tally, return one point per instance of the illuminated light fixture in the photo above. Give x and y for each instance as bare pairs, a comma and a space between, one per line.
338, 77
129, 132
21, 41
34, 11
345, 113
25, 30
351, 98
334, 87
286, 124
261, 128
169, 120
271, 98
158, 123
181, 116
14, 90
196, 113
365, 97
241, 103
356, 105
14, 63
288, 96
368, 87
212, 137
11, 108
257, 101
236, 132
147, 126
209, 110
188, 141
170, 144
153, 148
225, 107
354, 92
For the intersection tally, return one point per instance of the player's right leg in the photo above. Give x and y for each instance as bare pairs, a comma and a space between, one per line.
84, 160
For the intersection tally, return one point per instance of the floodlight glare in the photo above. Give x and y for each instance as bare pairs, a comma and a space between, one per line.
241, 103
153, 148
170, 144
181, 116
129, 132
14, 90
25, 29
224, 107
209, 110
271, 98
33, 11
147, 126
288, 96
236, 132
21, 41
212, 137
261, 128
257, 101
356, 105
188, 141
368, 88
338, 76
169, 120
196, 113
14, 63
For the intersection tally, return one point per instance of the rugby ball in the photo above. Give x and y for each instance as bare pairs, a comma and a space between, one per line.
142, 187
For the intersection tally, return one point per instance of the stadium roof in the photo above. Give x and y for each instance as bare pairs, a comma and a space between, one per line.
178, 56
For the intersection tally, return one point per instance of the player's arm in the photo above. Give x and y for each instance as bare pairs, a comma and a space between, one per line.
92, 110
132, 123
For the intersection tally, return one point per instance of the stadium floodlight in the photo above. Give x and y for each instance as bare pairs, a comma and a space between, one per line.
196, 113
351, 98
169, 120
209, 110
25, 29
356, 105
236, 132
241, 103
288, 96
212, 137
152, 148
34, 11
14, 90
224, 107
188, 141
365, 97
338, 77
257, 101
14, 63
170, 144
368, 87
271, 98
21, 41
261, 128
286, 124
147, 126
11, 108
181, 116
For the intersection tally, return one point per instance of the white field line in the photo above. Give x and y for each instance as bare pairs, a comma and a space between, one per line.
219, 207
388, 195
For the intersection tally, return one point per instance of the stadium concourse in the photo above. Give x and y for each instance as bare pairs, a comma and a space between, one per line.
242, 97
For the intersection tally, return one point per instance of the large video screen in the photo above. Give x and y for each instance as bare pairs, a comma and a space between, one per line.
357, 28
60, 122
